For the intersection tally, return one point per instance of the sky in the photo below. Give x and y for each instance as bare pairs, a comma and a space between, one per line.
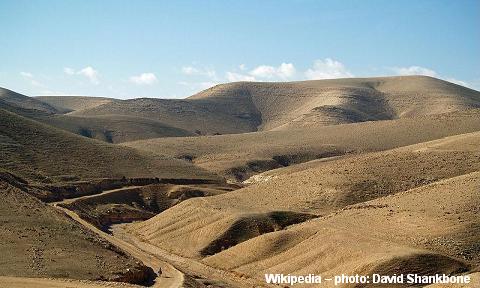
173, 49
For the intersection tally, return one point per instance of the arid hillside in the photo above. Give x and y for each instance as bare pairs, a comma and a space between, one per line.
11, 98
39, 241
240, 156
413, 206
43, 153
361, 175
74, 103
246, 106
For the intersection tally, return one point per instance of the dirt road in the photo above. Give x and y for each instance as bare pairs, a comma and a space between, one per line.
170, 277
151, 256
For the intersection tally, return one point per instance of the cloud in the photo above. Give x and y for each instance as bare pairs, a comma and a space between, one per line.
26, 74
327, 69
414, 70
235, 77
37, 84
88, 72
31, 78
68, 71
206, 85
205, 71
189, 70
458, 82
144, 79
198, 86
418, 70
284, 71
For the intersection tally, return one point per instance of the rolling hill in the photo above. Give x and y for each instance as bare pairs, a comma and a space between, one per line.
363, 175
248, 106
19, 101
67, 104
239, 156
412, 208
39, 241
43, 153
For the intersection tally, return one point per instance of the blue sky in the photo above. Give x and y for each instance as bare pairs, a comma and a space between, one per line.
172, 49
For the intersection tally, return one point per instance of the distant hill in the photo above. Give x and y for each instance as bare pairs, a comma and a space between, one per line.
40, 152
248, 106
339, 101
114, 128
14, 99
239, 156
74, 103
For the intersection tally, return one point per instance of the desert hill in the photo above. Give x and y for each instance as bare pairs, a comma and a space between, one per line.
239, 156
73, 103
114, 128
196, 116
388, 235
39, 152
12, 100
337, 176
439, 233
39, 241
248, 106
241, 107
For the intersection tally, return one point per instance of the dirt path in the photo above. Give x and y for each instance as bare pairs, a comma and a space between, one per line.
150, 255
170, 277
190, 266
70, 200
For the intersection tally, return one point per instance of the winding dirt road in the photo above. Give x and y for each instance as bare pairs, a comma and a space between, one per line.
170, 277
151, 256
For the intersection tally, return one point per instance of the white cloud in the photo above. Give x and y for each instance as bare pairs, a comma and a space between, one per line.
68, 71
418, 70
327, 69
90, 73
206, 85
198, 86
30, 78
235, 77
458, 82
284, 71
37, 84
189, 70
208, 72
263, 71
26, 74
414, 70
144, 79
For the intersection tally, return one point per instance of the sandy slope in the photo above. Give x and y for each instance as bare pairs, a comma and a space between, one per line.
170, 277
438, 233
39, 152
248, 106
443, 220
243, 155
114, 128
23, 102
38, 241
74, 103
